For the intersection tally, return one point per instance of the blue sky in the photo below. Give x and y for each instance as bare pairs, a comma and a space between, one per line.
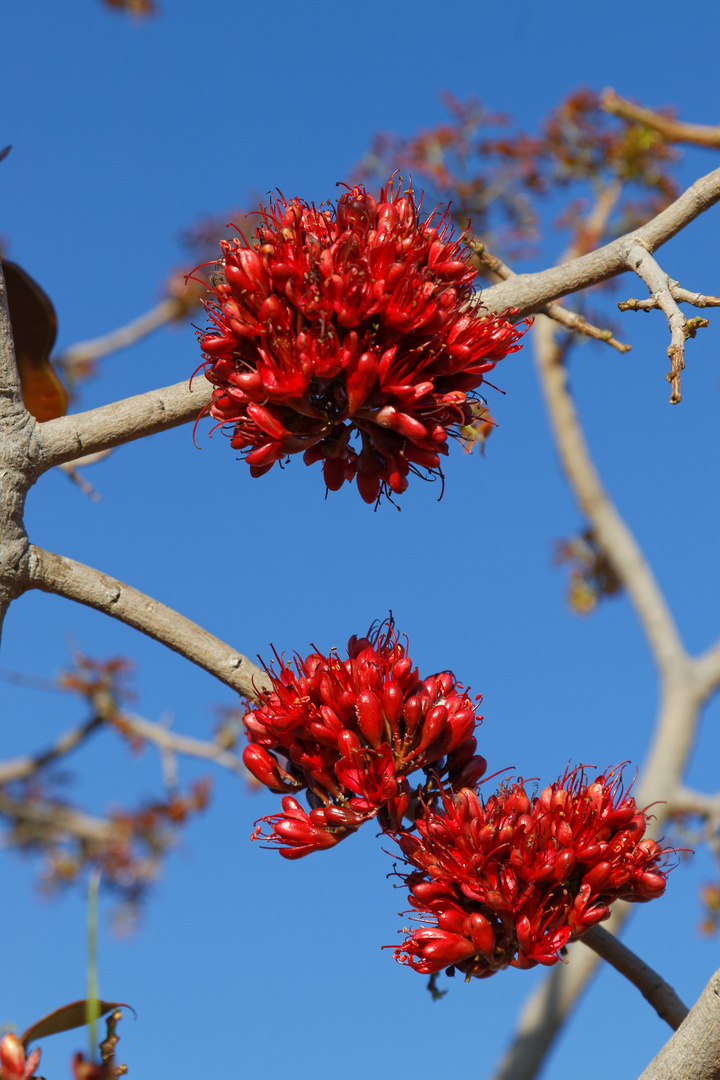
123, 133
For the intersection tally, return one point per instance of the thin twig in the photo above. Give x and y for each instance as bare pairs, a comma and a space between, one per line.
185, 745
556, 312
23, 767
65, 577
85, 352
658, 282
671, 130
528, 292
654, 989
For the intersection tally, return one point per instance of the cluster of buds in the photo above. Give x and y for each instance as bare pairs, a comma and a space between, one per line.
350, 732
354, 321
512, 880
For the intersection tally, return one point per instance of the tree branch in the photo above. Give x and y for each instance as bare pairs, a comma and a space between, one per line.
58, 819
654, 989
611, 532
71, 437
693, 1052
658, 282
671, 130
682, 696
65, 577
23, 767
569, 319
528, 292
167, 741
86, 352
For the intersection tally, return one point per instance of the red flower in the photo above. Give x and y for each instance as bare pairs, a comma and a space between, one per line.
14, 1065
512, 880
362, 321
351, 732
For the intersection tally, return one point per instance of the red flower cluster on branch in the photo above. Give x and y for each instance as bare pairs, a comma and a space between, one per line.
362, 320
351, 732
512, 880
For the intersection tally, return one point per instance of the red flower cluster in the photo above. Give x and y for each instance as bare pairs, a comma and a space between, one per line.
512, 881
351, 732
360, 320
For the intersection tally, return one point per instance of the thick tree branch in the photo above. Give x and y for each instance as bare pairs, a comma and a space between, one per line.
693, 1052
65, 577
569, 319
71, 437
671, 130
528, 292
654, 989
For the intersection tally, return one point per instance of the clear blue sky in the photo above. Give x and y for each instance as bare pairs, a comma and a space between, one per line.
123, 133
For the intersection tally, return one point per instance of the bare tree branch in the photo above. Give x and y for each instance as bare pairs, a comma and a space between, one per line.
686, 801
707, 670
570, 319
658, 282
59, 820
71, 437
611, 532
671, 130
23, 767
168, 741
682, 696
528, 292
683, 296
693, 1052
65, 577
654, 989
85, 352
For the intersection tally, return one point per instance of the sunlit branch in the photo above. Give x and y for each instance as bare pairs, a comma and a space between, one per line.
73, 580
611, 532
528, 292
71, 437
672, 130
682, 696
569, 319
658, 282
693, 1052
686, 801
184, 745
654, 989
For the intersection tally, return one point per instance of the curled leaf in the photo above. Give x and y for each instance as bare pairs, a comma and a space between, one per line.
67, 1017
